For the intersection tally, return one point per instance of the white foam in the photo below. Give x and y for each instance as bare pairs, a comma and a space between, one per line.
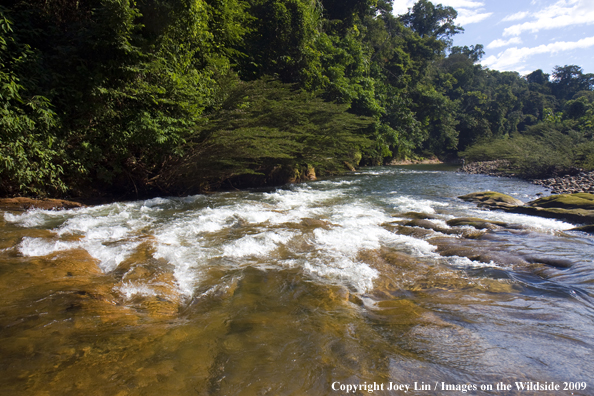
34, 247
106, 231
257, 245
356, 274
535, 222
414, 246
34, 217
465, 262
185, 260
405, 203
378, 172
339, 183
302, 198
237, 229
129, 290
109, 256
150, 203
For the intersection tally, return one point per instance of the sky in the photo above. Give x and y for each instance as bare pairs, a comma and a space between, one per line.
525, 35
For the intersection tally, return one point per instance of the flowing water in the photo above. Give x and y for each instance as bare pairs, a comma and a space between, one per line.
300, 290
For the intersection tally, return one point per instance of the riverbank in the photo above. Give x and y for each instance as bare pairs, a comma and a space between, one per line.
578, 182
22, 204
582, 182
425, 161
496, 168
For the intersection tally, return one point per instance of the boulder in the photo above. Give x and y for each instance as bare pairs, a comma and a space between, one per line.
575, 208
566, 201
576, 216
492, 200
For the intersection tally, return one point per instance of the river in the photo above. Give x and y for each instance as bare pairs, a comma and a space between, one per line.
300, 290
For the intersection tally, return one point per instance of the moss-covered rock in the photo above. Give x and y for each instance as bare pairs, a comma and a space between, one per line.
574, 208
576, 216
566, 201
492, 200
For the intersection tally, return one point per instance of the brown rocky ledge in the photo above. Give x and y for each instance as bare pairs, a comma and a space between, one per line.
22, 204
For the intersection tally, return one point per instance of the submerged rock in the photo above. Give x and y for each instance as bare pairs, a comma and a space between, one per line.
479, 224
316, 223
587, 228
417, 215
552, 262
415, 232
428, 225
492, 200
483, 251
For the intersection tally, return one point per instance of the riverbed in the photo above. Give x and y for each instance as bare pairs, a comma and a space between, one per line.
354, 280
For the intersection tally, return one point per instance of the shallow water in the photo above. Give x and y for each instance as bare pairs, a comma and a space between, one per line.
295, 290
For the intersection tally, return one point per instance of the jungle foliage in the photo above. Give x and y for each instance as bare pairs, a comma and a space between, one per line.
181, 96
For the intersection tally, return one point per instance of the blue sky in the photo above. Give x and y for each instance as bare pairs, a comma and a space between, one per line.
525, 35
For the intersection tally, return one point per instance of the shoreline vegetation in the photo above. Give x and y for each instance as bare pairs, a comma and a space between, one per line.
131, 100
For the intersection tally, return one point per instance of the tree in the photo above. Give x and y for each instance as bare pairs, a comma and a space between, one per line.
569, 80
266, 132
428, 20
474, 52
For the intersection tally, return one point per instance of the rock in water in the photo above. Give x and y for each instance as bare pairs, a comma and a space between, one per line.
566, 201
492, 200
575, 208
479, 224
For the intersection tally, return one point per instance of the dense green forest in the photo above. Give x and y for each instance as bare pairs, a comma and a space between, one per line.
183, 96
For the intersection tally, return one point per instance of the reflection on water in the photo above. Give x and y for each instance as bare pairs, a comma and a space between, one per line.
352, 280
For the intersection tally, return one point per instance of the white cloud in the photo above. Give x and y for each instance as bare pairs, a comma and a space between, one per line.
511, 58
468, 10
401, 7
460, 3
561, 14
516, 17
466, 17
504, 43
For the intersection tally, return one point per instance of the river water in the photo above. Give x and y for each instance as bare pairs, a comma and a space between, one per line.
299, 290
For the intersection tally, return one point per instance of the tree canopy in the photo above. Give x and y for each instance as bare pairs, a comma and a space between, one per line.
134, 97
